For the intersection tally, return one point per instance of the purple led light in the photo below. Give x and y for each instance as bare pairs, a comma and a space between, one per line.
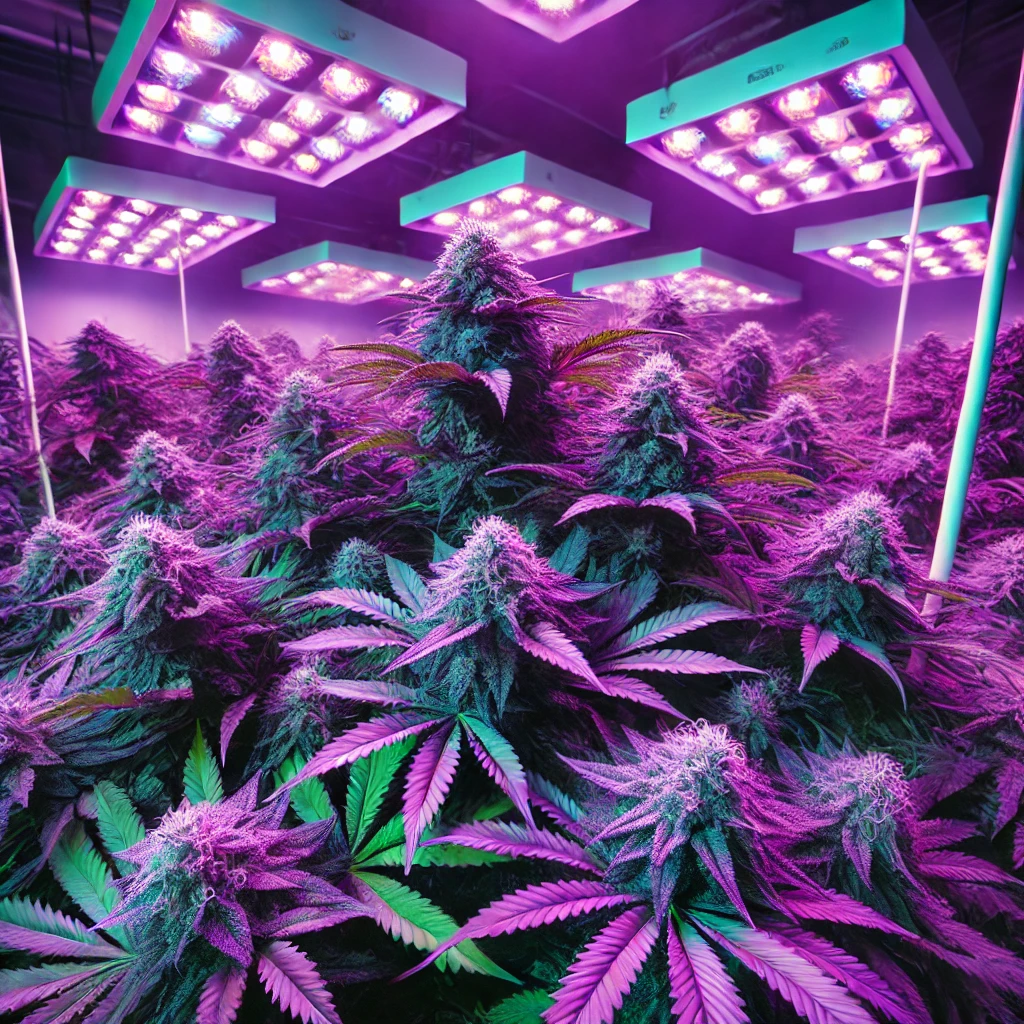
810, 140
217, 84
203, 32
701, 291
956, 251
531, 223
134, 233
328, 281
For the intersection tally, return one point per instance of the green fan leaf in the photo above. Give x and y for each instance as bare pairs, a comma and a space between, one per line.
412, 918
368, 783
82, 873
202, 776
309, 798
119, 823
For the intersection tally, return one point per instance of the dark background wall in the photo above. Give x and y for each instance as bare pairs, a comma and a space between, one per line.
563, 101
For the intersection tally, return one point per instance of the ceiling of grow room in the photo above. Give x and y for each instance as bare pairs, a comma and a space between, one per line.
563, 101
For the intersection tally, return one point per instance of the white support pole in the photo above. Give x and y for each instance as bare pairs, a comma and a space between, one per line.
979, 370
184, 308
26, 353
901, 319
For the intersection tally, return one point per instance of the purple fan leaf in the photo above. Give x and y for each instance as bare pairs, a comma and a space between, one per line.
34, 928
545, 641
362, 741
846, 969
677, 503
346, 638
1009, 788
365, 602
437, 639
702, 991
596, 984
818, 645
637, 691
675, 623
231, 720
373, 691
500, 761
592, 502
678, 663
221, 998
962, 867
811, 992
430, 776
512, 840
292, 981
877, 656
499, 383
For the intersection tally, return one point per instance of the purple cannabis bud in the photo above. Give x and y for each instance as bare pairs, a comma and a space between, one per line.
106, 394
794, 430
162, 479
282, 351
59, 557
846, 570
241, 382
674, 808
305, 406
473, 271
754, 708
223, 874
24, 747
996, 573
497, 577
358, 565
746, 367
866, 797
166, 608
657, 440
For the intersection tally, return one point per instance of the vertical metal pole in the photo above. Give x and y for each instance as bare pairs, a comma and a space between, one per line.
184, 308
26, 354
993, 283
908, 276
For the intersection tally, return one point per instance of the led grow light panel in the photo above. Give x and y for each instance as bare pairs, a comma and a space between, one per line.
853, 103
701, 280
558, 19
120, 217
334, 272
536, 208
309, 91
952, 241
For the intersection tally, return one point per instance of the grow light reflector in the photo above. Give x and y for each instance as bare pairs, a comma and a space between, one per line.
334, 272
850, 104
274, 87
701, 280
122, 217
558, 19
952, 241
536, 208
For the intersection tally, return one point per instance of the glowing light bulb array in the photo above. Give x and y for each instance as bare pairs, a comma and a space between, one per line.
536, 208
334, 272
813, 120
558, 19
700, 280
952, 241
214, 81
139, 220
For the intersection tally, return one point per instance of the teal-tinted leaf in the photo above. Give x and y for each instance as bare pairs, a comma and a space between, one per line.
119, 823
368, 783
202, 776
309, 799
